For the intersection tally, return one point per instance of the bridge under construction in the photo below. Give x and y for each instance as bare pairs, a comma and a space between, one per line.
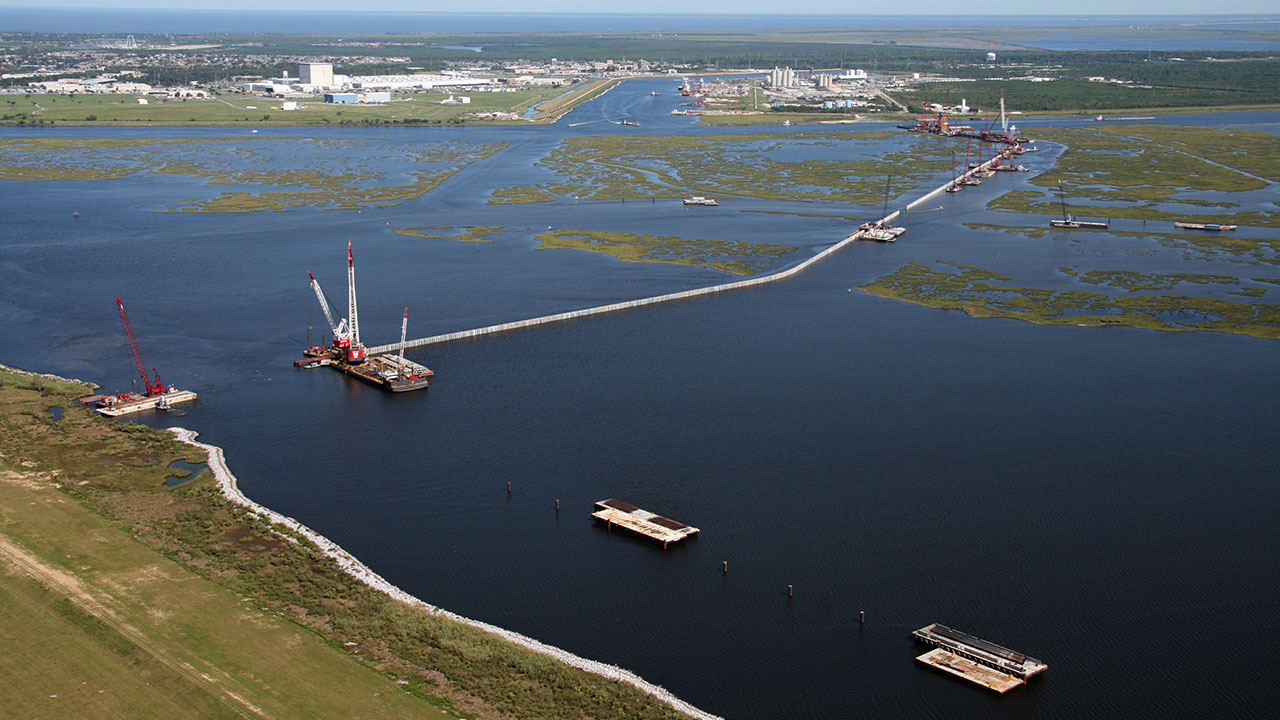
868, 231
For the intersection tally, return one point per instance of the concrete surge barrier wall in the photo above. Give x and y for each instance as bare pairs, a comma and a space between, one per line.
358, 570
697, 292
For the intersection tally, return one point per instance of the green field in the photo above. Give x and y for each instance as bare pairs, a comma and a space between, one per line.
244, 109
123, 597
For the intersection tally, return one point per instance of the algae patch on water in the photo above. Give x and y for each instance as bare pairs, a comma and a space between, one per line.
983, 293
737, 257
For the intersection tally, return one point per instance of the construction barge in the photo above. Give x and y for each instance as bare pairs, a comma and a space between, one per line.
155, 394
132, 402
616, 513
393, 373
981, 662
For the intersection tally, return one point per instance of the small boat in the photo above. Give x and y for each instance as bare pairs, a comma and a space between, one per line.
632, 123
655, 93
786, 123
1203, 226
699, 200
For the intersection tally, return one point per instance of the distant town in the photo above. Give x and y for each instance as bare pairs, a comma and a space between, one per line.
433, 79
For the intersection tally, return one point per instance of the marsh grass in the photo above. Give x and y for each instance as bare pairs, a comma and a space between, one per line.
736, 257
982, 293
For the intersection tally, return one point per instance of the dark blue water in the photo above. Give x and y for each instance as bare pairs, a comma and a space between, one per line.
1102, 499
1214, 32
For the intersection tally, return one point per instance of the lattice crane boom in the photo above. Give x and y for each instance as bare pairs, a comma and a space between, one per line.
151, 386
339, 328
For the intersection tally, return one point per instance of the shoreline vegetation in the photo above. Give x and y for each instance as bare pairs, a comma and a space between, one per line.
160, 568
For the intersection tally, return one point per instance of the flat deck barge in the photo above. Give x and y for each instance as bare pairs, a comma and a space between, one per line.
987, 656
116, 405
616, 513
963, 667
389, 372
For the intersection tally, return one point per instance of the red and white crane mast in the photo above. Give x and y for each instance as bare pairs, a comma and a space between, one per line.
355, 351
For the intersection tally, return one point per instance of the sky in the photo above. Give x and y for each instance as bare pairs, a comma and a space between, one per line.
821, 7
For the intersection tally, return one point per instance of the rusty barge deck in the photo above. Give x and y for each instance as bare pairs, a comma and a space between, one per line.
616, 513
976, 660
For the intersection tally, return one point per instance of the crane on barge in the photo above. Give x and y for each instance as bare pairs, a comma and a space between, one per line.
150, 386
154, 394
350, 356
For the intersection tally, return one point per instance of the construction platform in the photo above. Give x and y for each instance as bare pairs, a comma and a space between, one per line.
616, 513
949, 662
389, 372
117, 405
962, 646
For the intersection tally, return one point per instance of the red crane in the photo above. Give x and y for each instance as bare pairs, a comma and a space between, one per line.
153, 387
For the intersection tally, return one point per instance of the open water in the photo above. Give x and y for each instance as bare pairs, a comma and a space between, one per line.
1080, 32
1103, 499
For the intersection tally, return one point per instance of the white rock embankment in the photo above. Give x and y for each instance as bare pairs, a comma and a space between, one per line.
359, 571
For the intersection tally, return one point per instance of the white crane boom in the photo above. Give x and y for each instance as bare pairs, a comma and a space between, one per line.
338, 328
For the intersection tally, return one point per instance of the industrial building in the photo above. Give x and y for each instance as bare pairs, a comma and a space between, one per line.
782, 77
412, 82
350, 98
319, 75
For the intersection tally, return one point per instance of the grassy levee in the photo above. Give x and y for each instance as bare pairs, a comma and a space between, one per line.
555, 108
121, 597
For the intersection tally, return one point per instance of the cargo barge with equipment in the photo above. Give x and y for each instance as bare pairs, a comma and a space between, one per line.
979, 661
394, 373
